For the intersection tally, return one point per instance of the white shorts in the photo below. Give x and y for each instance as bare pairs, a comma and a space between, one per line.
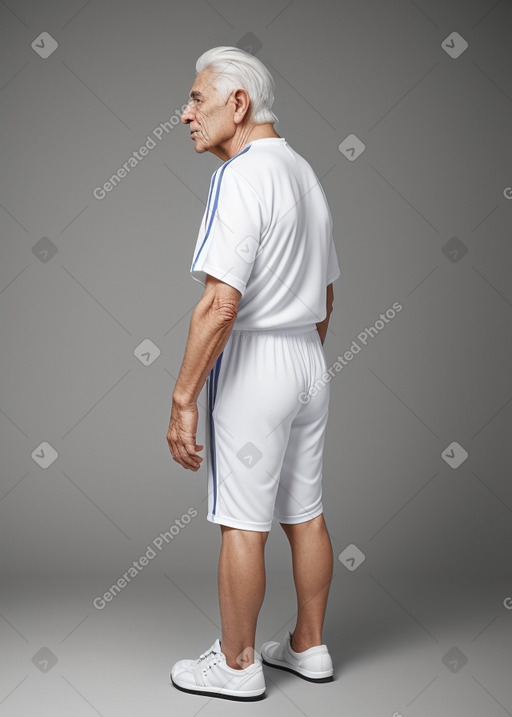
265, 429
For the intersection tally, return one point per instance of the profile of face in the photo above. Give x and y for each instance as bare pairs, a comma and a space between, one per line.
212, 120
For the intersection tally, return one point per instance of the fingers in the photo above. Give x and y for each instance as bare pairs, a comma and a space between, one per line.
181, 456
181, 438
185, 454
188, 456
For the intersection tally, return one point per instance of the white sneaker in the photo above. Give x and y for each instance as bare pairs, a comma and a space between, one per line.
210, 675
314, 664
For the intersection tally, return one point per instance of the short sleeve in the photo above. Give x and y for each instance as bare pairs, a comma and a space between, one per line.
333, 269
233, 232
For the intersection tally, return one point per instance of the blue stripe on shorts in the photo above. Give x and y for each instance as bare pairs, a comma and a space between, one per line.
213, 380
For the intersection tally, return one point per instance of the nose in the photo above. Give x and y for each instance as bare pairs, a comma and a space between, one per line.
187, 115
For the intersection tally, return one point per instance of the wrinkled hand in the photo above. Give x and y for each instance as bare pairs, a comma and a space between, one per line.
181, 436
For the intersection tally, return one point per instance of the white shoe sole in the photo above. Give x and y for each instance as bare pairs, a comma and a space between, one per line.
250, 696
326, 676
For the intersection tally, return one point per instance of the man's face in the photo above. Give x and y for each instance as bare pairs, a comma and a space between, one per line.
210, 118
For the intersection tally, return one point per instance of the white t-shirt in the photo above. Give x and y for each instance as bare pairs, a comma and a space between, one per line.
267, 231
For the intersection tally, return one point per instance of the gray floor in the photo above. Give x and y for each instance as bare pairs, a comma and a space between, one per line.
399, 647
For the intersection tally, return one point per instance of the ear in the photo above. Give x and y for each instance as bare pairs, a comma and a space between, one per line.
242, 104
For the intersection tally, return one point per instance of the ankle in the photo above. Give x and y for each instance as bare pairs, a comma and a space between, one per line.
301, 644
235, 665
241, 660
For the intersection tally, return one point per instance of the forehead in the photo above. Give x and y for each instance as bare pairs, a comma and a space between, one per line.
203, 85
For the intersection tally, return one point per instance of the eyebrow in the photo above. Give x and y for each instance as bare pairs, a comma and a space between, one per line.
195, 94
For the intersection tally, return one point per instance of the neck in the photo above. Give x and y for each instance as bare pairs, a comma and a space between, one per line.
242, 137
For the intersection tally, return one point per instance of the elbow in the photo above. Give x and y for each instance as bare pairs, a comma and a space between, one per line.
225, 312
330, 300
220, 303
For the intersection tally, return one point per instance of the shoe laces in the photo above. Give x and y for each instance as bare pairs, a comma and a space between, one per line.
211, 657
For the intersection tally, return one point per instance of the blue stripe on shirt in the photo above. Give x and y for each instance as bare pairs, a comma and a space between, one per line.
216, 202
210, 193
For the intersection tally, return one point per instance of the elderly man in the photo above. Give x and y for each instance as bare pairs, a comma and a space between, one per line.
266, 257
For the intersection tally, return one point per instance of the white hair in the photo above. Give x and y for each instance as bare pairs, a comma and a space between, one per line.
237, 69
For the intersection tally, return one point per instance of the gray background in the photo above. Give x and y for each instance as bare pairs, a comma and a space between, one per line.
421, 217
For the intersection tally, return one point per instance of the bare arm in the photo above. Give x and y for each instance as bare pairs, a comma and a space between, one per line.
210, 327
322, 326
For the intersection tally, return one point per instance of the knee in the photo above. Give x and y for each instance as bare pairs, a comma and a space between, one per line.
309, 530
246, 537
314, 523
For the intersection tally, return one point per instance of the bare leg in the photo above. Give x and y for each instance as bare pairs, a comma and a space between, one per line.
312, 561
241, 581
